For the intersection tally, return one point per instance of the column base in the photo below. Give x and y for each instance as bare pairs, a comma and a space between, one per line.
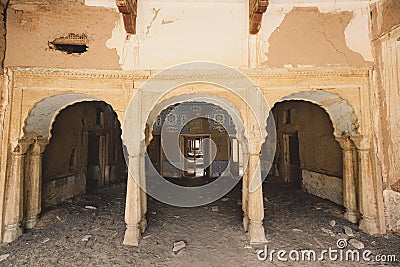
132, 236
11, 233
246, 222
31, 222
369, 225
257, 233
351, 216
143, 225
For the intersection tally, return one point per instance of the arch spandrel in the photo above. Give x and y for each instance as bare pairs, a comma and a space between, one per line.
341, 113
43, 114
198, 78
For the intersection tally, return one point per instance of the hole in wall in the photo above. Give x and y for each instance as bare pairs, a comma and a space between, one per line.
71, 43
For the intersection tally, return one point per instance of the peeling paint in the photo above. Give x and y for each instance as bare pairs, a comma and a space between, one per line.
155, 15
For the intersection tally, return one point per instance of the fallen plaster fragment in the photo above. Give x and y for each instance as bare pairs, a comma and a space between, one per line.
178, 246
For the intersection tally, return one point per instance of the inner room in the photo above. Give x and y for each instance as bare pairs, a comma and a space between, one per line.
207, 142
307, 156
84, 153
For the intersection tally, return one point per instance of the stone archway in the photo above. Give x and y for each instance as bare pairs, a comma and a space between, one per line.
359, 202
214, 83
23, 206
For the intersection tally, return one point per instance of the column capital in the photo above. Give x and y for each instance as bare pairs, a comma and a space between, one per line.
361, 142
20, 148
35, 139
345, 142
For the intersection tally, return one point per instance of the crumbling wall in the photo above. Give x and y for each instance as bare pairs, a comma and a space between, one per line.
319, 151
32, 25
385, 103
305, 34
65, 161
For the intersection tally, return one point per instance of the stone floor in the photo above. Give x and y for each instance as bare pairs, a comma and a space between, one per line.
72, 235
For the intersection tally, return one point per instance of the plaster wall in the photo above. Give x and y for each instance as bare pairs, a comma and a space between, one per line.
294, 33
319, 151
65, 159
385, 16
323, 186
314, 33
31, 26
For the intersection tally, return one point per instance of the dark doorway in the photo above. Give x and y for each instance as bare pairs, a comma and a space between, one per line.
196, 153
292, 157
93, 176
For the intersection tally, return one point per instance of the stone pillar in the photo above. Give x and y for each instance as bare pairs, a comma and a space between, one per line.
245, 201
349, 181
143, 194
34, 183
256, 201
13, 207
366, 188
132, 208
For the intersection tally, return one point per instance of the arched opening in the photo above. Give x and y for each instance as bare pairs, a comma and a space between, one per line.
199, 124
84, 152
307, 154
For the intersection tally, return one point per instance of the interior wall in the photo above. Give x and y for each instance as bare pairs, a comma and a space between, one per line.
321, 160
65, 160
198, 126
319, 151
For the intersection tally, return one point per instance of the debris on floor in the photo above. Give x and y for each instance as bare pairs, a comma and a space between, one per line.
90, 208
86, 238
297, 230
356, 244
348, 231
178, 246
214, 208
46, 240
327, 231
225, 199
332, 223
4, 257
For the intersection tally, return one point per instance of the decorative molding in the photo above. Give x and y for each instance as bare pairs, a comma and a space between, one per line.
281, 73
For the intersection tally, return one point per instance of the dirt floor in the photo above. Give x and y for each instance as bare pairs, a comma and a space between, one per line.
72, 235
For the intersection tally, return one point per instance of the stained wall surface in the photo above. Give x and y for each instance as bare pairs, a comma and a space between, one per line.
66, 169
385, 101
319, 151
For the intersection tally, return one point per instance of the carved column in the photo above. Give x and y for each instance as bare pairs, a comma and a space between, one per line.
366, 188
256, 201
34, 183
349, 181
143, 194
132, 208
245, 201
13, 213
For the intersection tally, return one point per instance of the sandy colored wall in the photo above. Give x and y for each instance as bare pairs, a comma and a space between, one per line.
65, 158
319, 151
31, 26
385, 28
313, 33
324, 186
